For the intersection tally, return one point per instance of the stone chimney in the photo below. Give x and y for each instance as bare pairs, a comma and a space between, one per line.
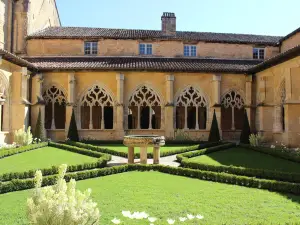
168, 23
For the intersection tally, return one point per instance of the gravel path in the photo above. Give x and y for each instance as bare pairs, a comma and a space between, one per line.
168, 161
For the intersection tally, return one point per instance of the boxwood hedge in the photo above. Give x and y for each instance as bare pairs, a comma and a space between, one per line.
272, 185
137, 155
101, 162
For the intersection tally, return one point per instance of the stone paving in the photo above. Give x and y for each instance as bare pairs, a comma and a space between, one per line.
168, 161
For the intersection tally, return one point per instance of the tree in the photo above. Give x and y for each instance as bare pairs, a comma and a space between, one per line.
39, 132
73, 132
214, 134
244, 138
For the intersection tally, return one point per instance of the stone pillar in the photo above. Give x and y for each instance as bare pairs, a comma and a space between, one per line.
71, 100
37, 100
143, 155
216, 89
248, 100
169, 107
120, 105
130, 155
277, 118
216, 103
156, 155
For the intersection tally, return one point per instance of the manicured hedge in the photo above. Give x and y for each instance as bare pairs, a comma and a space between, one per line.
137, 155
101, 162
250, 172
271, 185
288, 154
13, 151
207, 149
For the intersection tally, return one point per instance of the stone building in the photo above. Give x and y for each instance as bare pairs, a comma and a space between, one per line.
164, 82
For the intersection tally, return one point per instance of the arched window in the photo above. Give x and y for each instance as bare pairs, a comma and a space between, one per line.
232, 111
96, 108
55, 108
144, 110
191, 109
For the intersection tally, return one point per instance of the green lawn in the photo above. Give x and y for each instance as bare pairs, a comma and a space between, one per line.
247, 158
168, 196
41, 158
123, 148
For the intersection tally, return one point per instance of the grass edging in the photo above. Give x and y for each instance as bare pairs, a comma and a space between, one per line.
101, 162
288, 154
137, 155
271, 185
14, 151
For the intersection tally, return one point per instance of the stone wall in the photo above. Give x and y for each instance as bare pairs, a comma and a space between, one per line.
271, 84
290, 42
108, 47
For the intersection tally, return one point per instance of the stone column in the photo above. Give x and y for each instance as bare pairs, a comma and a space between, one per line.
248, 100
169, 107
120, 105
156, 155
216, 103
216, 89
70, 100
37, 100
277, 125
143, 155
130, 155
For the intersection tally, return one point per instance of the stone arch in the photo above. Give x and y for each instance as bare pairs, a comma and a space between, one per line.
232, 110
145, 107
96, 108
55, 107
191, 108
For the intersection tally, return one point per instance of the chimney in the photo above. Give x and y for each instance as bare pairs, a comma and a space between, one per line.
168, 23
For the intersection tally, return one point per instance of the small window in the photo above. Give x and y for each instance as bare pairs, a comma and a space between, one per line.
190, 50
91, 48
258, 53
145, 49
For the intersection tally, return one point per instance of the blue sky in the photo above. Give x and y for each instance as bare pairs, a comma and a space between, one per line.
268, 17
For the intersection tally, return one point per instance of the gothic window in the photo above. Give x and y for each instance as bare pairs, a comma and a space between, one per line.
55, 108
232, 111
191, 109
96, 107
144, 110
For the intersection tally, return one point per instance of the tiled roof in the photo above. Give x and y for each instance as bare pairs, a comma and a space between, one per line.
98, 33
143, 63
16, 60
280, 58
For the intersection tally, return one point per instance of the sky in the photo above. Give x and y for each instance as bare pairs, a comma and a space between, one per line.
266, 17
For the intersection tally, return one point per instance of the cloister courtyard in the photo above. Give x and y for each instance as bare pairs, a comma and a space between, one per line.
222, 182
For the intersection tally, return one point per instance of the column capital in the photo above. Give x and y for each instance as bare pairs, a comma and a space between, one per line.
170, 77
40, 77
120, 76
217, 77
249, 78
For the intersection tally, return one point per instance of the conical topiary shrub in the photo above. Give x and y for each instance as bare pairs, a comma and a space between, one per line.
39, 131
73, 132
214, 134
246, 130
